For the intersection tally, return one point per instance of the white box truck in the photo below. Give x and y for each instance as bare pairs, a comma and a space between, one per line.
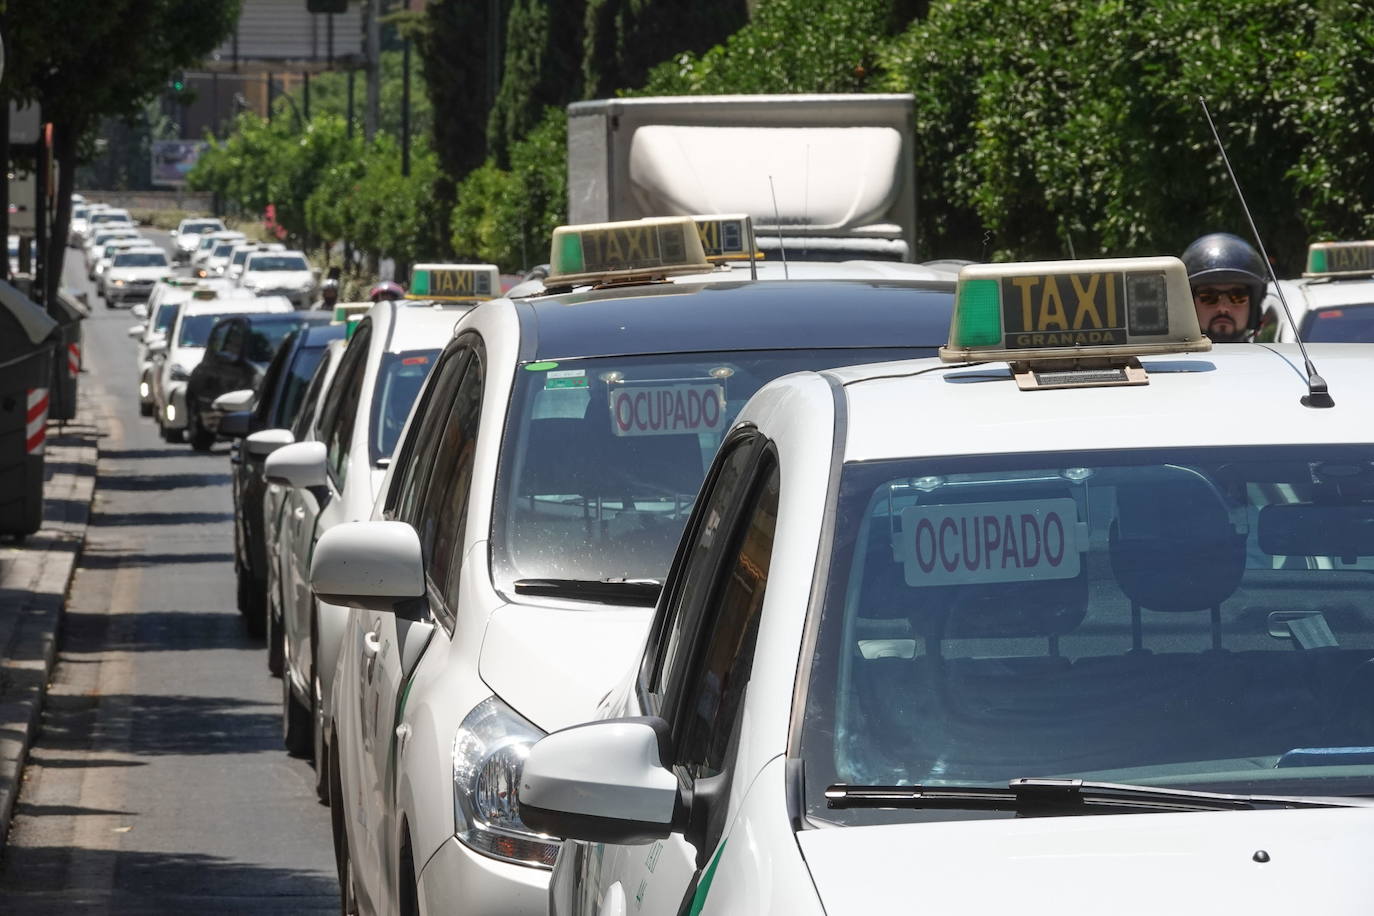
833, 175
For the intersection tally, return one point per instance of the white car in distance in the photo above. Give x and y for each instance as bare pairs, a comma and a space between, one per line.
206, 247
132, 274
186, 236
279, 273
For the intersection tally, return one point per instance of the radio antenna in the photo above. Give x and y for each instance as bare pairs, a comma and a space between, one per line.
777, 219
1317, 393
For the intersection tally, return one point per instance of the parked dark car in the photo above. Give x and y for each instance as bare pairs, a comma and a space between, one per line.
237, 353
280, 398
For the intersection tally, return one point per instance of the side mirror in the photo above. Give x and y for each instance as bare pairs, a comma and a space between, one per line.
603, 782
239, 399
137, 330
139, 310
265, 441
157, 346
370, 565
173, 233
234, 424
300, 465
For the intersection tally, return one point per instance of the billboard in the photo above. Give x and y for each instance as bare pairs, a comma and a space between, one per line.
172, 159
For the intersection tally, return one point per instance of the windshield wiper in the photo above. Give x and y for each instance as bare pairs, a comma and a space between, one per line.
1031, 796
607, 591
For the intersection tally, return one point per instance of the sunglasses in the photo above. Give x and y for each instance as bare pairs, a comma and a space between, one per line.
1213, 296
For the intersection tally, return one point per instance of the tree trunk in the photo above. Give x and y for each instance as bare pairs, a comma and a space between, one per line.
64, 136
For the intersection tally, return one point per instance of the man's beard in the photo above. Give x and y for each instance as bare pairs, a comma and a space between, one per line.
1233, 329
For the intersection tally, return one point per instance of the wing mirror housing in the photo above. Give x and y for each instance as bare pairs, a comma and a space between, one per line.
157, 346
240, 399
137, 330
300, 465
371, 565
139, 310
265, 441
603, 782
235, 423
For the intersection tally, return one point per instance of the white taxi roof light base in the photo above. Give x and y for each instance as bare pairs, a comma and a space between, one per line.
602, 782
454, 282
300, 465
266, 441
1340, 259
369, 565
629, 251
1056, 310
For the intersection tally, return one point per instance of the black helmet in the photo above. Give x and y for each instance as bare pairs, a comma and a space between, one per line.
1221, 257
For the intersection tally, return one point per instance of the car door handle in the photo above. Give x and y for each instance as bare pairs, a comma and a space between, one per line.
298, 513
371, 644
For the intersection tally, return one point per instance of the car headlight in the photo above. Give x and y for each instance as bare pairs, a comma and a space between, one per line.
488, 758
178, 373
117, 282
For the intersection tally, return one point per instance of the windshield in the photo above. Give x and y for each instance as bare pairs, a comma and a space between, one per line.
166, 314
603, 457
1193, 618
110, 216
265, 335
222, 251
399, 379
278, 263
241, 256
200, 228
295, 385
1340, 324
140, 259
195, 330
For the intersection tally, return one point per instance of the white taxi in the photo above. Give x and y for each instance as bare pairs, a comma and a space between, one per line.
529, 517
1003, 632
182, 349
1332, 303
334, 480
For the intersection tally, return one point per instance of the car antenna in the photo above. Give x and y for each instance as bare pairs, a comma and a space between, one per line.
1317, 393
777, 219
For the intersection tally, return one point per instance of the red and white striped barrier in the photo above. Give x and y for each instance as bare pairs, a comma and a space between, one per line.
36, 429
73, 359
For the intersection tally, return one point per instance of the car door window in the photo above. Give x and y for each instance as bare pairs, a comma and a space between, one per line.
341, 409
301, 429
724, 648
415, 455
443, 511
692, 571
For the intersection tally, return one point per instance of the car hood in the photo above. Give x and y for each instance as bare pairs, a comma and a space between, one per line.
553, 665
1315, 860
278, 279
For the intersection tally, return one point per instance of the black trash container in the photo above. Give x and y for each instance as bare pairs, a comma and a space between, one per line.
66, 366
27, 340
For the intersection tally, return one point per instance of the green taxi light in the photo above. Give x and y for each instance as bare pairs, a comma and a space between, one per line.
632, 250
1340, 259
454, 282
978, 316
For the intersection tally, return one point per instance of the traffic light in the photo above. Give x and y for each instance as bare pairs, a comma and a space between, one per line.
326, 6
178, 85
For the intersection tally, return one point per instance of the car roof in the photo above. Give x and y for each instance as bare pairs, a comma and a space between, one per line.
1235, 394
776, 315
282, 252
238, 305
412, 325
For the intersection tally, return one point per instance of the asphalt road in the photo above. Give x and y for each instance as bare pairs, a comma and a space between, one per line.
159, 783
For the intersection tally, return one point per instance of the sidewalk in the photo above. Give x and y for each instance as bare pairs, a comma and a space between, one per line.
34, 577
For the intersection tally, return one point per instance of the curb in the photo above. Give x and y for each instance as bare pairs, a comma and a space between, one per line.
34, 578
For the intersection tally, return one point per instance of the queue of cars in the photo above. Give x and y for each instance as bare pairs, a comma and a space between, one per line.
719, 595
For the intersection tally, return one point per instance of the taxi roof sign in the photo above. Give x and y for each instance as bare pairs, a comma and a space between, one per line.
1043, 310
454, 282
1340, 259
644, 249
727, 237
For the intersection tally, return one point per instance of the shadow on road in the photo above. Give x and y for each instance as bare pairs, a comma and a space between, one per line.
147, 483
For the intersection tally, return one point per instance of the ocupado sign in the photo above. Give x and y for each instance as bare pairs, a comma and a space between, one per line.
976, 543
667, 410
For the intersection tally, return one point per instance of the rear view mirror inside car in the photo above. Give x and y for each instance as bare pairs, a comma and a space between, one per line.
1307, 530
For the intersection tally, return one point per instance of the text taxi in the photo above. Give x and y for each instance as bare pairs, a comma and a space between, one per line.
529, 515
1334, 300
1017, 664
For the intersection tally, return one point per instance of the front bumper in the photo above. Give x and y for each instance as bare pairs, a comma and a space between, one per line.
458, 880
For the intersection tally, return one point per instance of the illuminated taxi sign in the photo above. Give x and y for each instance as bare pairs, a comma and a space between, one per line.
1038, 310
454, 282
727, 237
204, 294
630, 250
1336, 259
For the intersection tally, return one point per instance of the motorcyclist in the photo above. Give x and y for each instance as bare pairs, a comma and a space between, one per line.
1228, 280
386, 290
329, 296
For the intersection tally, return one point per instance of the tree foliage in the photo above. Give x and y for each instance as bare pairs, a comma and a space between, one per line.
624, 39
543, 67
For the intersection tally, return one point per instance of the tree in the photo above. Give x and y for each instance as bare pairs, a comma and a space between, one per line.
625, 39
82, 60
543, 65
